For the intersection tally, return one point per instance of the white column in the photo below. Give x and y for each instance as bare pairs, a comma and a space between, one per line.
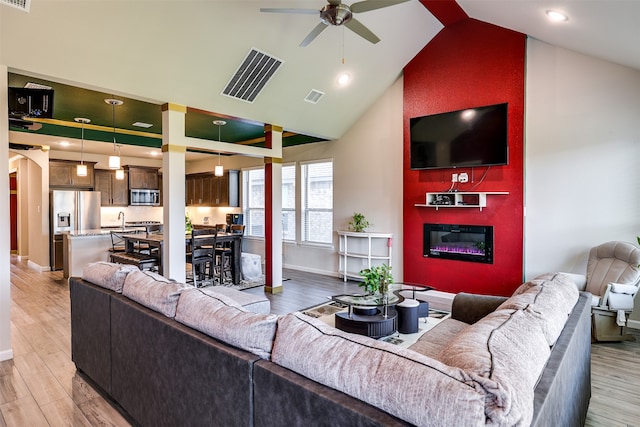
5, 275
273, 218
173, 197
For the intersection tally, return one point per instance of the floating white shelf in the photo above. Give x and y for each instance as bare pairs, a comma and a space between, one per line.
360, 250
459, 199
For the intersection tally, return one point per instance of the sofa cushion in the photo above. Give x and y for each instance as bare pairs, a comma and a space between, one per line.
253, 303
549, 299
433, 341
224, 319
107, 275
153, 291
399, 381
505, 353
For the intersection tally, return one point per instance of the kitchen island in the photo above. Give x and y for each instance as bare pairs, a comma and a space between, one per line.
85, 246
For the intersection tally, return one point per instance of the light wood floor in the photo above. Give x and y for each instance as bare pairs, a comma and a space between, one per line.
40, 386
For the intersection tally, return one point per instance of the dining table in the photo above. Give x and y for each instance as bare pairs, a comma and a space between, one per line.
155, 242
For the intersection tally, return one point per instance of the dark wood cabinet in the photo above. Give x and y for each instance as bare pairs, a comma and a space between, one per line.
113, 192
206, 189
142, 177
62, 174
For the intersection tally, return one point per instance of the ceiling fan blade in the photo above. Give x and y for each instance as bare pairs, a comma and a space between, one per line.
358, 28
284, 10
313, 34
365, 6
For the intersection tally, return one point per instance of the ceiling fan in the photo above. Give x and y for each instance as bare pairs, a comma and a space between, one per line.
337, 13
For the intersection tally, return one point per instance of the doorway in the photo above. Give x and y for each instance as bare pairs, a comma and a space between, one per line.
13, 211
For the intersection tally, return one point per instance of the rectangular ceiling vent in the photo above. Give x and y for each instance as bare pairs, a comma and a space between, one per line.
314, 96
32, 85
252, 76
23, 5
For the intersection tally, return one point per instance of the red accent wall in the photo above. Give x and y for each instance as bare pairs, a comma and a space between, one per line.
468, 64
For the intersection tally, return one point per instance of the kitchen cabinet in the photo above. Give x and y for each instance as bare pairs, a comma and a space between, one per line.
142, 177
62, 174
113, 192
206, 189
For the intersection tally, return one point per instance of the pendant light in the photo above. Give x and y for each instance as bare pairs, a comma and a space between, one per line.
114, 161
119, 171
81, 169
219, 170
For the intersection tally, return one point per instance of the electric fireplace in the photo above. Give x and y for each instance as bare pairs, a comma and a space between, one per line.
472, 243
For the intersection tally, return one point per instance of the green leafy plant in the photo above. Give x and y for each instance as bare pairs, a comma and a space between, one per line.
376, 279
358, 222
188, 225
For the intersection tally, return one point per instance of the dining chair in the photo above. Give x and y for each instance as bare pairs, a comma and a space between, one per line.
201, 255
224, 254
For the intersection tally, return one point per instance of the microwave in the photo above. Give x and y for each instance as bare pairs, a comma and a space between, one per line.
144, 197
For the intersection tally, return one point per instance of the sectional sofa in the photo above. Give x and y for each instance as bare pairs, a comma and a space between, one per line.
170, 354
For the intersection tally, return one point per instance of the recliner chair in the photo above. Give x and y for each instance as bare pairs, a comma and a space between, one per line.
613, 278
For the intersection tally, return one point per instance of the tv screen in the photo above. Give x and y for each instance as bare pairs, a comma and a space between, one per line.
464, 138
31, 102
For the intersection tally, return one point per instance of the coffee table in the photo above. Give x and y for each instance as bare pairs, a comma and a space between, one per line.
369, 315
374, 316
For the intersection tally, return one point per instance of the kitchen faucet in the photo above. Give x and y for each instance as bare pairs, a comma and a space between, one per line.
121, 215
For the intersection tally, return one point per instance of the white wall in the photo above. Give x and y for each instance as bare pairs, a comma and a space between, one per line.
5, 247
582, 158
367, 172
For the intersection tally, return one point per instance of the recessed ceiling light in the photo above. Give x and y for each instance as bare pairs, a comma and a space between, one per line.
344, 79
154, 153
65, 143
556, 16
142, 125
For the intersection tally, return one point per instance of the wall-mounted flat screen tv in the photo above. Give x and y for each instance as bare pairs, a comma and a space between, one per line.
464, 138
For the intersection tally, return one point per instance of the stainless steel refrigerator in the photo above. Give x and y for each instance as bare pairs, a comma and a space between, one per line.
71, 211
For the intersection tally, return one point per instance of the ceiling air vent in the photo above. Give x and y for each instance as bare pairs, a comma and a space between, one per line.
18, 4
314, 96
252, 76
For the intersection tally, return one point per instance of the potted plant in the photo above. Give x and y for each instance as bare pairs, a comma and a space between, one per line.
358, 222
376, 279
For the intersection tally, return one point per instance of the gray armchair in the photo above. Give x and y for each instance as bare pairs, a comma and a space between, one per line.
613, 278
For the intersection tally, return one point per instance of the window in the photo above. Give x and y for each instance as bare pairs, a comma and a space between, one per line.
253, 201
289, 202
317, 202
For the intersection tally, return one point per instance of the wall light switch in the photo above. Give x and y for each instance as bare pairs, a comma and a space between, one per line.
454, 177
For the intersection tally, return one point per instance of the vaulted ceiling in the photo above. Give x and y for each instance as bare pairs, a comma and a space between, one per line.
186, 51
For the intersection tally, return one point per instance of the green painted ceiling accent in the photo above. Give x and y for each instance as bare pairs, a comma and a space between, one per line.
70, 102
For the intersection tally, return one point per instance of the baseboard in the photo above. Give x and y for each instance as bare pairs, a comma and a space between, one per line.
32, 265
6, 355
21, 258
311, 270
633, 324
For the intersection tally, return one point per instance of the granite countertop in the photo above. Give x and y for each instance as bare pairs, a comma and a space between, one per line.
100, 231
